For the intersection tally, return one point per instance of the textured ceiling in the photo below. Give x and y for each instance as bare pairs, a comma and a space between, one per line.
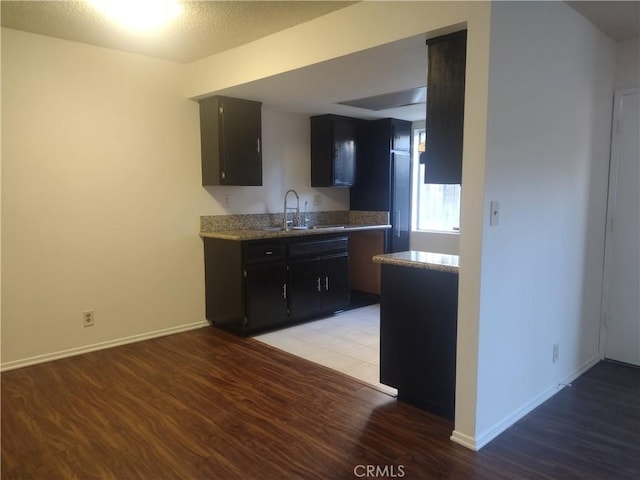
209, 27
204, 28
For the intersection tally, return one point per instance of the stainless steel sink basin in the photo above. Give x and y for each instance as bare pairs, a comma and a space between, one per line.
280, 229
322, 227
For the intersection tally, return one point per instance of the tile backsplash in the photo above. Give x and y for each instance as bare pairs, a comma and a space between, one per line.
212, 223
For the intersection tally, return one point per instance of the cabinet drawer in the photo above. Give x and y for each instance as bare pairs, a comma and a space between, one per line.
319, 247
264, 252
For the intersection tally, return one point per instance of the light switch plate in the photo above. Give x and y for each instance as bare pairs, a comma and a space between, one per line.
494, 214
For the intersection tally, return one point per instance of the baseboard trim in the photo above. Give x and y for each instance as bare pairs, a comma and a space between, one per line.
476, 443
464, 440
26, 362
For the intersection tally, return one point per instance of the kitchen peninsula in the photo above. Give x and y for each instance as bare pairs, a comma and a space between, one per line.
418, 327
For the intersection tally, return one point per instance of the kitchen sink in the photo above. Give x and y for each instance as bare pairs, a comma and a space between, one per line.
321, 227
280, 229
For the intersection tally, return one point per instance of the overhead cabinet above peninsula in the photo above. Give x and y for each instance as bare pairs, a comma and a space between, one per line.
445, 108
230, 139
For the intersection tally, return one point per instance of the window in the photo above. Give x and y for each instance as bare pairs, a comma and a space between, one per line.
435, 207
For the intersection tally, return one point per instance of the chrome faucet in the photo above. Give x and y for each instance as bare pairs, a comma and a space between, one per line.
284, 215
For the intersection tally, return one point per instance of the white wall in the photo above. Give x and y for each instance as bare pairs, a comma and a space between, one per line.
628, 64
100, 198
549, 115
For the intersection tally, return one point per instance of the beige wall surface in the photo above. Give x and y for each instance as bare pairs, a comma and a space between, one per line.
100, 198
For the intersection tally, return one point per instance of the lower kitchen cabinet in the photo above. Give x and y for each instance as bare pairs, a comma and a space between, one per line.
418, 318
335, 280
265, 295
255, 285
305, 287
318, 285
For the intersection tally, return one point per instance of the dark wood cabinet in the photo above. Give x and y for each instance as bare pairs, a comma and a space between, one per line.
418, 319
445, 108
245, 284
256, 285
319, 276
319, 285
305, 287
333, 150
335, 282
230, 139
384, 178
400, 202
265, 295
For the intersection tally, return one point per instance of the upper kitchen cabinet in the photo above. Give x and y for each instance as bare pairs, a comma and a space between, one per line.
230, 137
333, 150
445, 108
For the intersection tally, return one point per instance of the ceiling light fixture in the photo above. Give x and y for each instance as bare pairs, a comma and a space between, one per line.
141, 15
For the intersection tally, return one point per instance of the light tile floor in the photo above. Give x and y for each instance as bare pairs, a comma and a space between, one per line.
348, 342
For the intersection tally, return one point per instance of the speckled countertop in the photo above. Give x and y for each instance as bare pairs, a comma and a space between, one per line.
260, 234
263, 226
416, 259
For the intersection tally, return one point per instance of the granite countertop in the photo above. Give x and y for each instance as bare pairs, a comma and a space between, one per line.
416, 259
264, 234
265, 226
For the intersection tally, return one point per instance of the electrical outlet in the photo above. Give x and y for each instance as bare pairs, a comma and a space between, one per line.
225, 200
87, 318
317, 200
556, 352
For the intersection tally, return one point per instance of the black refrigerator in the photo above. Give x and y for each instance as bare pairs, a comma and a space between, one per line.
383, 180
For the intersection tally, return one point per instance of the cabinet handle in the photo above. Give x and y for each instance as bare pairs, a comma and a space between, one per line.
268, 252
284, 290
318, 284
396, 225
326, 283
258, 144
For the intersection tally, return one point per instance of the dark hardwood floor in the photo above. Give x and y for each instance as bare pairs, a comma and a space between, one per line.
208, 405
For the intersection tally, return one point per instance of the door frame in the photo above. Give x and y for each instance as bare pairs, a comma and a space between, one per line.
614, 164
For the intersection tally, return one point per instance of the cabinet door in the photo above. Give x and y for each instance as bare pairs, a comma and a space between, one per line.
335, 282
305, 287
344, 144
445, 108
333, 150
400, 135
400, 202
265, 296
240, 133
418, 317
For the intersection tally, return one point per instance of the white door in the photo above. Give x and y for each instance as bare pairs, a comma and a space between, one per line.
621, 300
